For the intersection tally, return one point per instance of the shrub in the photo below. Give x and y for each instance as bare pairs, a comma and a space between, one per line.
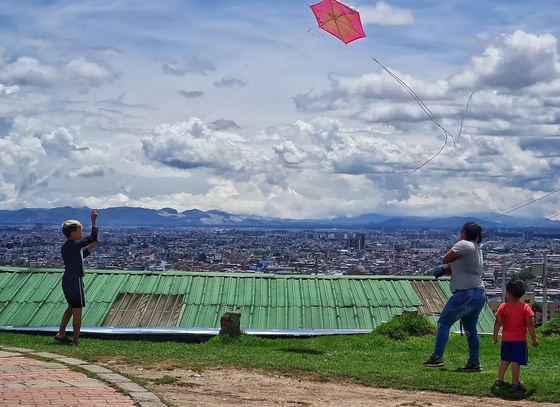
552, 327
406, 325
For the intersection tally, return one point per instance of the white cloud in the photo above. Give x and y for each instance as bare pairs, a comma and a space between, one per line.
6, 90
249, 117
385, 14
513, 61
79, 72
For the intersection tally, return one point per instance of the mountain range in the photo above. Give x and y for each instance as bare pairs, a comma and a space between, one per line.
128, 216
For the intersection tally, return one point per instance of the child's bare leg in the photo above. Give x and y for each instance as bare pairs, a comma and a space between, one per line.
502, 369
515, 369
64, 322
76, 325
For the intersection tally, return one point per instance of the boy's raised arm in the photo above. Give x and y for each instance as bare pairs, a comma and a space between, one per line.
94, 230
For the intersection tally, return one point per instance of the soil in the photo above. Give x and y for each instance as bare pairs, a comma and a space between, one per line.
238, 387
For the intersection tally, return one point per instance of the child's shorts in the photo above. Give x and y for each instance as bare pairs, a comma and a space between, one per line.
73, 288
515, 352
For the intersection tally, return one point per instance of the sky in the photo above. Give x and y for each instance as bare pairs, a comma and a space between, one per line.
250, 108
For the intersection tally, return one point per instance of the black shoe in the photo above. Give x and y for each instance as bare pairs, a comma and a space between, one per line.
471, 367
434, 361
63, 339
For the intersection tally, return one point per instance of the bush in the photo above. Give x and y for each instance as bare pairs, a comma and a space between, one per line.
552, 327
403, 326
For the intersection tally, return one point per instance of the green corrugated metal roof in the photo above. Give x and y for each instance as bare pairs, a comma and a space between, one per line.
266, 301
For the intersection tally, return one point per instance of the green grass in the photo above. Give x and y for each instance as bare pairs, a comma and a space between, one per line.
370, 359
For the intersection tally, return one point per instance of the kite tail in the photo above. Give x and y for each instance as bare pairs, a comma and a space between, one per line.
463, 118
422, 105
428, 113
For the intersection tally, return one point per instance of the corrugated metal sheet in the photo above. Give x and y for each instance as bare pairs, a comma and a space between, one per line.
434, 294
143, 310
266, 301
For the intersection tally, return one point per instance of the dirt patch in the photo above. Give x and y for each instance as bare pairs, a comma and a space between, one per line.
238, 387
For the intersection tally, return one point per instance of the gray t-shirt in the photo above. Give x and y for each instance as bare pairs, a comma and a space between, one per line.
467, 268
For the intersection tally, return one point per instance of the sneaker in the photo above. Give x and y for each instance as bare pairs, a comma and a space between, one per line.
434, 361
500, 383
518, 385
471, 367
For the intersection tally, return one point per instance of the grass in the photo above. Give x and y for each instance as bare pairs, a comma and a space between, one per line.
369, 359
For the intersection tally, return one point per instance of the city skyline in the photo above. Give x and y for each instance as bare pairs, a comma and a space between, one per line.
251, 108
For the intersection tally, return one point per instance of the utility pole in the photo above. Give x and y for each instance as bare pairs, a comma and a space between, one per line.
544, 294
503, 279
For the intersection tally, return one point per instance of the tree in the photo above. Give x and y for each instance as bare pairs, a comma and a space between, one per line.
526, 275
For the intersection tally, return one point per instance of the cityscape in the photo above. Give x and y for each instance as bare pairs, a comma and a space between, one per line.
400, 252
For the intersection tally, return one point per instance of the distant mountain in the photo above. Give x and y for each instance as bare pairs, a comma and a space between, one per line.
127, 216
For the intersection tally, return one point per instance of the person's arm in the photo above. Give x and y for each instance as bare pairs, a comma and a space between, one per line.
94, 230
531, 328
450, 256
90, 247
84, 241
497, 326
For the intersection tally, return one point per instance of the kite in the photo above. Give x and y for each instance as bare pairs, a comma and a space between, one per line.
339, 19
343, 21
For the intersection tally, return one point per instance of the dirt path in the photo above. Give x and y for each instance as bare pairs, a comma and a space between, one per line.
235, 387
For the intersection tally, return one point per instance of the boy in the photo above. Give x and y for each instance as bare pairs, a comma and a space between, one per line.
516, 318
73, 254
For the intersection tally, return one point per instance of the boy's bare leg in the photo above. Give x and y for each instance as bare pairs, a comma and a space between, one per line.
502, 369
515, 368
64, 322
76, 325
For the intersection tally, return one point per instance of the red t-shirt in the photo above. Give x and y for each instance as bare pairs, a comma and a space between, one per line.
514, 316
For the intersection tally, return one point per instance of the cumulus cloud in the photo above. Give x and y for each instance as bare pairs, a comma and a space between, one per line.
6, 90
27, 70
192, 66
222, 124
193, 94
385, 14
88, 172
229, 82
289, 153
192, 145
174, 71
82, 72
513, 61
346, 147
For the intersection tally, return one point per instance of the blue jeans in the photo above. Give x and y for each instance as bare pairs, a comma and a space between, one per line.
464, 305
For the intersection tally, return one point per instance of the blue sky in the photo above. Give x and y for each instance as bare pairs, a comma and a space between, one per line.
250, 108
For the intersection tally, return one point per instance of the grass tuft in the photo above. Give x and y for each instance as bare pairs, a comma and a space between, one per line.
552, 327
406, 325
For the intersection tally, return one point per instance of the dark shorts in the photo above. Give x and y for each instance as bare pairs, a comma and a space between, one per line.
73, 288
515, 352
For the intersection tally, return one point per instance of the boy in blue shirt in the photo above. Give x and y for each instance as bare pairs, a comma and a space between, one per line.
73, 252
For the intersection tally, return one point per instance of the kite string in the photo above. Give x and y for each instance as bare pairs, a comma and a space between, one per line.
216, 107
426, 110
553, 191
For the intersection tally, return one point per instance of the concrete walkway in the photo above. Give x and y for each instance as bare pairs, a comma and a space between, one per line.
27, 381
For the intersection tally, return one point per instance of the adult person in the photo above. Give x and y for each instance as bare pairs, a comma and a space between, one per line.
468, 298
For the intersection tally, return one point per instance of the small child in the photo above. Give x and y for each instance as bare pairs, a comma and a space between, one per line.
73, 252
516, 318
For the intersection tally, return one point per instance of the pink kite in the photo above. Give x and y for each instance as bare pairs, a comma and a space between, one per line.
340, 20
